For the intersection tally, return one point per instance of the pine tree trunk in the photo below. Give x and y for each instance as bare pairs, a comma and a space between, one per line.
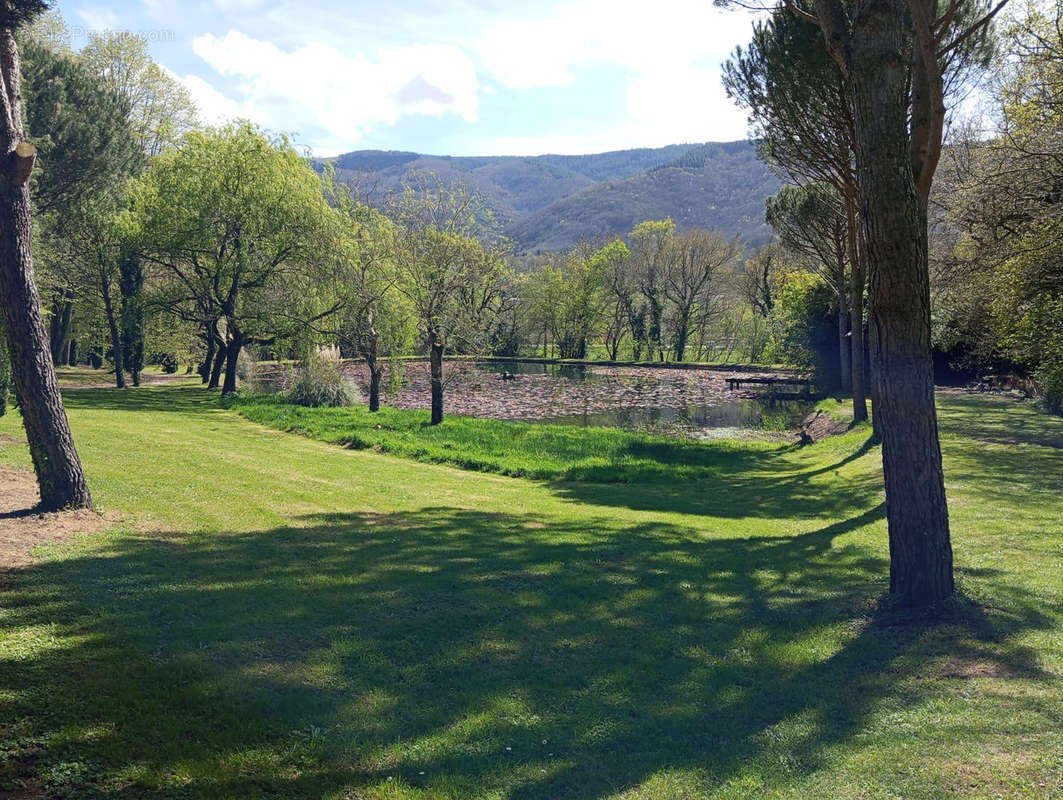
916, 508
435, 357
59, 473
857, 281
845, 364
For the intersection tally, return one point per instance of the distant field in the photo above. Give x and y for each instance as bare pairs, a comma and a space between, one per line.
275, 616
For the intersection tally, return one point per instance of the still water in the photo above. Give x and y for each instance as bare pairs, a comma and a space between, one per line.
722, 413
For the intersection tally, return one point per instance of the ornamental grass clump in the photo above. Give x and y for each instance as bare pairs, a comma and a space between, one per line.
320, 382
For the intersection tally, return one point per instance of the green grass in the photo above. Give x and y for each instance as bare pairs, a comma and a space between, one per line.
517, 449
279, 617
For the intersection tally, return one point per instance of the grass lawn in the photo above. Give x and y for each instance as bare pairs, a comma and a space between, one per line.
279, 617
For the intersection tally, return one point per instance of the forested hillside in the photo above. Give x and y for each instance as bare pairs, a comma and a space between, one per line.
551, 202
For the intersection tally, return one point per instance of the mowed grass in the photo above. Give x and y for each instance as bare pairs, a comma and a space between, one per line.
279, 617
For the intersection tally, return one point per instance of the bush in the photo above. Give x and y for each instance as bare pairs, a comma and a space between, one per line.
168, 361
321, 383
805, 333
1050, 376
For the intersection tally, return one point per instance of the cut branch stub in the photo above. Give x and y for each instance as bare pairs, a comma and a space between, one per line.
24, 155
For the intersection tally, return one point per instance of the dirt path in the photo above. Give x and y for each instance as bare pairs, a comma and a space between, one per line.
22, 529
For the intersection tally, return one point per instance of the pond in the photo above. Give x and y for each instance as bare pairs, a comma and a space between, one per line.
687, 402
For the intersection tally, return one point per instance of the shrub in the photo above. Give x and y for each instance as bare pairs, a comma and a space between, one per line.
804, 323
321, 383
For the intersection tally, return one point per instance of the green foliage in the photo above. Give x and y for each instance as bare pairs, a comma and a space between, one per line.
237, 228
321, 383
160, 107
804, 333
80, 127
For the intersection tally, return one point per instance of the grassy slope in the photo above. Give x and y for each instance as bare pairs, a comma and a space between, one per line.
517, 449
309, 621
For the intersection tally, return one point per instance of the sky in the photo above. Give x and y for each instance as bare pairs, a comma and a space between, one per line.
457, 77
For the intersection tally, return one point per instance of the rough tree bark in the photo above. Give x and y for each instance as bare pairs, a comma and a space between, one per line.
59, 473
210, 339
845, 364
219, 364
857, 281
896, 231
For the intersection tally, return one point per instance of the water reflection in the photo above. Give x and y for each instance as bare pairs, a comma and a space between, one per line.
726, 413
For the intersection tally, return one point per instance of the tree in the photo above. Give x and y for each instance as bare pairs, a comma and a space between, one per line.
450, 263
894, 56
1000, 261
234, 222
55, 459
650, 243
690, 284
568, 299
811, 220
374, 314
160, 109
899, 114
760, 278
801, 114
615, 259
85, 150
91, 244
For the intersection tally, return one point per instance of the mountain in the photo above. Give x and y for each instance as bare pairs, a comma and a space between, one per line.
550, 202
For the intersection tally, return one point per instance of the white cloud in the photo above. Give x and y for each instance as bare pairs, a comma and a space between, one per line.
214, 107
317, 87
531, 52
671, 49
684, 104
99, 19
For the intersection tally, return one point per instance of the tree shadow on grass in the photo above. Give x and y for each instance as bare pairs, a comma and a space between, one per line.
726, 483
464, 653
180, 399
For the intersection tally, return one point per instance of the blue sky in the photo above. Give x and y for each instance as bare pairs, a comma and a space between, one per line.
466, 77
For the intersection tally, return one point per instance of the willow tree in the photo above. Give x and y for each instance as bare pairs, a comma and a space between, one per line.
450, 263
233, 222
55, 459
375, 316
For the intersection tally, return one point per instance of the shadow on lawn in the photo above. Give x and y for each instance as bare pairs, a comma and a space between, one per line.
423, 646
180, 399
722, 482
